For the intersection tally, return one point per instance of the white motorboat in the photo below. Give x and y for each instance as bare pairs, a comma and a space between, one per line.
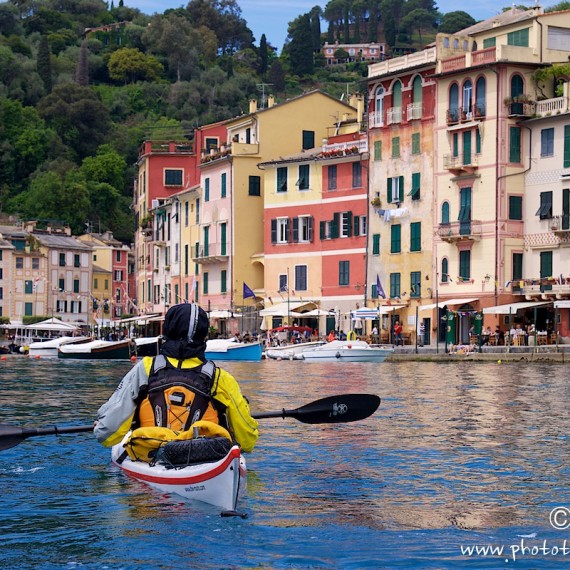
347, 351
48, 348
291, 351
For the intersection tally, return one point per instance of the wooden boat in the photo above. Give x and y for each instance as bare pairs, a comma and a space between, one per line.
48, 348
220, 483
291, 351
347, 351
97, 349
230, 349
147, 345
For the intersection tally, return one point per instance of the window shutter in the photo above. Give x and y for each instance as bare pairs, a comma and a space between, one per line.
310, 228
295, 230
376, 244
377, 150
389, 190
335, 224
273, 231
401, 189
322, 229
349, 224
356, 225
288, 230
566, 163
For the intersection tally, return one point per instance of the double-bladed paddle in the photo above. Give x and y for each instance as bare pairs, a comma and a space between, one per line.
330, 410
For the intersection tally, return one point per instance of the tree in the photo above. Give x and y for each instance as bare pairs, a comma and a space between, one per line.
130, 64
418, 19
263, 55
391, 11
300, 48
315, 14
277, 76
454, 21
78, 117
82, 70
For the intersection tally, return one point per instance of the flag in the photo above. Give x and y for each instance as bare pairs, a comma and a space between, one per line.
379, 290
247, 292
193, 288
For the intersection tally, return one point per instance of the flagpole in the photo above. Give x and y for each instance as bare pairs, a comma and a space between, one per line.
288, 299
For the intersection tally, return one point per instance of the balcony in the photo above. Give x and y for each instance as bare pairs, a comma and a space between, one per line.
461, 163
375, 119
547, 290
459, 115
414, 111
394, 115
345, 148
460, 231
520, 106
210, 253
560, 225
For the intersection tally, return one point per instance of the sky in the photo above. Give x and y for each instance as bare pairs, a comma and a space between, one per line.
272, 17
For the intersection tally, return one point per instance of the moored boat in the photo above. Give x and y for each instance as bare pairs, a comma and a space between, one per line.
347, 351
219, 483
97, 349
230, 349
291, 351
48, 348
147, 345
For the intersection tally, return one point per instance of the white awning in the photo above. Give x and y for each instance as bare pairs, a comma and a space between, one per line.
284, 309
512, 308
365, 313
385, 309
223, 314
448, 303
562, 304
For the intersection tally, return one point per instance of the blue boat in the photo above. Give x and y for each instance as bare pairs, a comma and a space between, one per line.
222, 349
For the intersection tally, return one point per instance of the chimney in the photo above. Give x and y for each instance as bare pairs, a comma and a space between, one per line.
31, 226
67, 231
270, 101
252, 105
359, 107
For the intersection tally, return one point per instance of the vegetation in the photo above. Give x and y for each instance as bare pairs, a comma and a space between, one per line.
83, 83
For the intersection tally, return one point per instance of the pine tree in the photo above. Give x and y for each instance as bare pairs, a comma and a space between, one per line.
301, 46
43, 63
263, 55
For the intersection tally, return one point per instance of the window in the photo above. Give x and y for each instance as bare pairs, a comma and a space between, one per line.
545, 210
281, 179
445, 213
377, 150
518, 38
416, 236
28, 309
444, 270
300, 277
186, 206
360, 225
345, 224
467, 100
394, 285
545, 264
547, 142
379, 109
397, 95
61, 284
197, 210
19, 263
117, 257
376, 244
255, 186
206, 189
415, 191
464, 211
62, 259
223, 185
303, 229
283, 285
416, 284
223, 281
210, 143
517, 87
223, 238
417, 92
515, 208
453, 113
76, 261
173, 177
465, 265
28, 287
280, 230
466, 147
517, 266
396, 238
480, 97
343, 272
331, 178
76, 285
558, 38
205, 279
396, 147
416, 143
329, 229
489, 42
186, 260
118, 275
303, 180
308, 140
395, 189
566, 161
356, 174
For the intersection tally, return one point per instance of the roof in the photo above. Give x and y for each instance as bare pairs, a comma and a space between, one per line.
62, 242
309, 154
506, 18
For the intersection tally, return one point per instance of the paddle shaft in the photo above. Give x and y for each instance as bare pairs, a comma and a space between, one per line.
330, 410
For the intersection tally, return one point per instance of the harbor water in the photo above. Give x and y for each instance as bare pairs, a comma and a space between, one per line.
460, 458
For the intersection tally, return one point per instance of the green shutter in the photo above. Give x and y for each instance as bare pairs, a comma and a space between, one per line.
415, 236
515, 144
377, 150
396, 239
467, 147
415, 191
415, 143
376, 244
455, 144
401, 189
566, 162
389, 190
395, 147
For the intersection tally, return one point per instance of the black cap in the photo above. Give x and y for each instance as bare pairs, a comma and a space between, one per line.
187, 322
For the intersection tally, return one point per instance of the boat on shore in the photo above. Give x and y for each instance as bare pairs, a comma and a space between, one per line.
347, 351
219, 483
291, 351
48, 348
147, 345
97, 349
231, 349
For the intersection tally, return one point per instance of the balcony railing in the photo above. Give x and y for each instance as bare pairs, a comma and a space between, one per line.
467, 162
546, 291
210, 253
414, 111
460, 231
560, 223
376, 119
346, 148
394, 115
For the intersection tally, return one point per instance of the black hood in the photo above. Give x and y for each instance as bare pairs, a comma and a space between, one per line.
185, 332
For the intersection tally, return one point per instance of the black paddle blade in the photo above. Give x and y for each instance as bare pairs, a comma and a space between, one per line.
337, 409
10, 436
330, 410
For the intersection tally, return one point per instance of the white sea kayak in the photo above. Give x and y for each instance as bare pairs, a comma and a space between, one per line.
220, 483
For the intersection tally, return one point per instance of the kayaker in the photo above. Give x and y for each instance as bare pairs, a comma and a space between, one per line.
179, 378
